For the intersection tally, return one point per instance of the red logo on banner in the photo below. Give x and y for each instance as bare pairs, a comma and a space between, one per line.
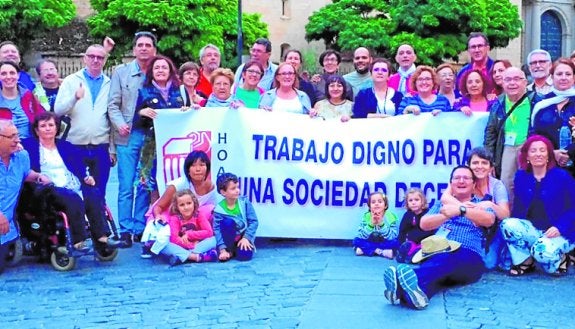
176, 149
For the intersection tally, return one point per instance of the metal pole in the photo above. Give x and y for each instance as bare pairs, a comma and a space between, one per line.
240, 45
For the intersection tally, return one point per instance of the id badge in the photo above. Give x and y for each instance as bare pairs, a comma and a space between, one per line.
443, 232
510, 139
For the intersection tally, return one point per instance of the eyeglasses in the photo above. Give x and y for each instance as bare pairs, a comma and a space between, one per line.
254, 72
287, 74
330, 60
446, 75
461, 178
380, 69
11, 137
539, 62
513, 79
95, 57
49, 70
476, 47
424, 79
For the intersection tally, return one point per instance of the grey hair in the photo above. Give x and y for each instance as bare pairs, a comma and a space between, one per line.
5, 123
209, 45
538, 51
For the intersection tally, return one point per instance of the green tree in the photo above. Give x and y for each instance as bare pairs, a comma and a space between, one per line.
437, 29
22, 20
183, 27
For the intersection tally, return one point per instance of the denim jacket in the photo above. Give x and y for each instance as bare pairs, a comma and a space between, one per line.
149, 96
246, 222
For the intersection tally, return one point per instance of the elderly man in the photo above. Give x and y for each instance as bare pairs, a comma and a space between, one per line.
14, 170
83, 96
47, 88
478, 49
261, 52
329, 60
210, 59
126, 81
405, 58
539, 62
508, 125
360, 78
453, 255
9, 52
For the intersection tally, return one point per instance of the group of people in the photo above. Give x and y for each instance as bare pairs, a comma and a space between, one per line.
510, 207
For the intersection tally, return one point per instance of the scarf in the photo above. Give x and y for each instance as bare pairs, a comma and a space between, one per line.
215, 102
404, 74
554, 97
165, 91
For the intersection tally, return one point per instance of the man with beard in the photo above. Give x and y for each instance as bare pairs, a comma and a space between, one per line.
360, 78
478, 49
210, 59
539, 62
260, 52
406, 58
9, 52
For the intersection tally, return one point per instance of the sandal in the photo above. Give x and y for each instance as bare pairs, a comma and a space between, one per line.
564, 265
523, 268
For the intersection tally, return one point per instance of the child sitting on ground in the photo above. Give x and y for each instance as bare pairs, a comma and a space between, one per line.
410, 233
191, 236
235, 221
378, 230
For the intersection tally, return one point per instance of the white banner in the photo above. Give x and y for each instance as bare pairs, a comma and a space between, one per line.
310, 178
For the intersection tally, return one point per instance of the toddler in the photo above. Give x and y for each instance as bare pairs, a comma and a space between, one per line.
378, 230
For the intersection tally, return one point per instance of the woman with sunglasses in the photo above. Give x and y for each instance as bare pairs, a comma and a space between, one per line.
379, 101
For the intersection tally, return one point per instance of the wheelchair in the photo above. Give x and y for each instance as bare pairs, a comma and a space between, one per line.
45, 234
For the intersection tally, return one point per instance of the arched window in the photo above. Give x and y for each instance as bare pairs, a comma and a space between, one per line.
551, 33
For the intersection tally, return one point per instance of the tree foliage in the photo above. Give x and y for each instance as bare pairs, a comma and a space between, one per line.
437, 29
22, 20
183, 27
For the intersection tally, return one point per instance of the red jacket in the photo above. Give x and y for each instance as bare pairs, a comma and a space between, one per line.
30, 104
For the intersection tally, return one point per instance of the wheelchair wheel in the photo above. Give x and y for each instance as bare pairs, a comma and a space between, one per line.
105, 254
15, 252
62, 262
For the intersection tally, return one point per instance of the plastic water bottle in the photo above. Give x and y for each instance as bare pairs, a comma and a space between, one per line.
565, 140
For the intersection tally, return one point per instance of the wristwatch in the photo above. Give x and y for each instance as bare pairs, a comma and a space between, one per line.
462, 210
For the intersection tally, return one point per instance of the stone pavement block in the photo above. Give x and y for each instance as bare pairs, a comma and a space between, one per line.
285, 322
346, 303
350, 287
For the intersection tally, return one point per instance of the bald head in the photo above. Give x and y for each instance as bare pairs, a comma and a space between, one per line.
405, 56
361, 60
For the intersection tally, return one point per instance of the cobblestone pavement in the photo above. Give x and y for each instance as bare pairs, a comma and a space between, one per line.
288, 284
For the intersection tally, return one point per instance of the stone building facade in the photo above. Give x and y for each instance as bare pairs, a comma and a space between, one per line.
548, 24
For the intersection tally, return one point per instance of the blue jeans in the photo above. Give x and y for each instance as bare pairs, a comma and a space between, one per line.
97, 158
131, 211
462, 266
228, 231
368, 246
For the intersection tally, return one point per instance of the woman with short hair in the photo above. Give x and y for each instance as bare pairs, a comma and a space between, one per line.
424, 82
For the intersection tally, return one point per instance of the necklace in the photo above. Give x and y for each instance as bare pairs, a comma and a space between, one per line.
381, 110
